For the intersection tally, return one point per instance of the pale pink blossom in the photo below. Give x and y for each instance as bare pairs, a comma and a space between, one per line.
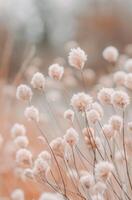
71, 137
18, 130
105, 95
120, 78
110, 54
38, 81
24, 93
23, 156
77, 58
32, 113
56, 71
120, 99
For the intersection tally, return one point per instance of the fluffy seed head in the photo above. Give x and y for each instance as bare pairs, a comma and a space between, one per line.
104, 95
116, 122
93, 116
32, 113
38, 81
120, 99
58, 146
97, 197
17, 194
69, 115
128, 65
77, 58
56, 71
96, 106
40, 167
71, 137
50, 196
110, 54
103, 170
119, 78
23, 156
108, 131
45, 155
81, 101
24, 93
87, 181
128, 81
21, 141
18, 130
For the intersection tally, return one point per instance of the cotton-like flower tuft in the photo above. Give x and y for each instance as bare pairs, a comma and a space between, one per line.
24, 93
69, 115
93, 116
128, 81
108, 131
120, 78
104, 95
17, 194
71, 137
58, 146
97, 197
40, 168
32, 113
120, 99
116, 122
21, 141
96, 106
18, 130
110, 54
38, 81
103, 170
77, 58
56, 71
81, 101
51, 196
128, 65
45, 155
87, 181
23, 156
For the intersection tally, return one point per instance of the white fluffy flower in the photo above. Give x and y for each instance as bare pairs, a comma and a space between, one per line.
128, 81
51, 196
45, 155
18, 130
23, 156
38, 81
116, 122
120, 99
104, 95
69, 115
110, 54
96, 106
77, 58
93, 116
128, 65
71, 136
87, 181
120, 78
81, 101
56, 71
17, 194
24, 93
32, 113
108, 131
21, 141
103, 170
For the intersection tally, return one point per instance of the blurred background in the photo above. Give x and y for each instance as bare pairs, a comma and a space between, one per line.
51, 27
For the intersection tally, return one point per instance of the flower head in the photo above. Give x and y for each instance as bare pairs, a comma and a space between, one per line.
77, 58
81, 101
38, 81
104, 95
18, 130
120, 99
17, 194
71, 137
103, 170
23, 156
32, 113
24, 93
56, 71
110, 54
